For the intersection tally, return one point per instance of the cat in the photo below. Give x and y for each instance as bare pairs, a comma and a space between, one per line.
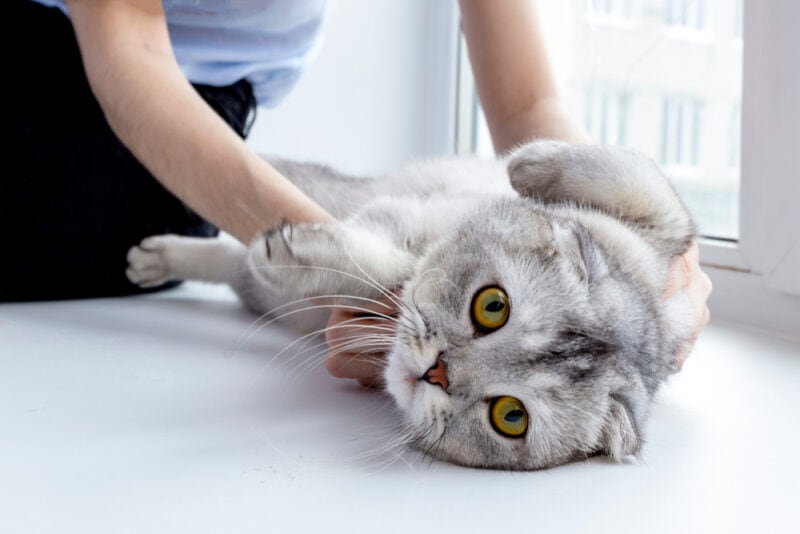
531, 331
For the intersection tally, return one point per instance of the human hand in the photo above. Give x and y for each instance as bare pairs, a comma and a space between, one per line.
685, 273
358, 341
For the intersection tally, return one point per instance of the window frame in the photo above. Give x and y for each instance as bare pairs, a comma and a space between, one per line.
757, 277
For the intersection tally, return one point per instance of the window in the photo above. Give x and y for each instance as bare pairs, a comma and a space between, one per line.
614, 8
606, 116
732, 159
686, 13
737, 20
680, 133
645, 87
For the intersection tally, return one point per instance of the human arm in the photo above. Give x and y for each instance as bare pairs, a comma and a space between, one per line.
156, 113
513, 75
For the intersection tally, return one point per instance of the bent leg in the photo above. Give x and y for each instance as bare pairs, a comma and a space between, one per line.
73, 199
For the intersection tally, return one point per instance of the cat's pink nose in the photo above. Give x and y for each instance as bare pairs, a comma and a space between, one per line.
437, 375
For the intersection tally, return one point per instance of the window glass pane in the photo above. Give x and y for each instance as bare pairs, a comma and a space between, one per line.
662, 76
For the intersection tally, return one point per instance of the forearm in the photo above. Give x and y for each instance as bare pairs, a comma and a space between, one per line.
195, 155
545, 119
513, 75
157, 114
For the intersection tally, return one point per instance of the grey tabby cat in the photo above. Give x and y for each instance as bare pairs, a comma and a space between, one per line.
532, 330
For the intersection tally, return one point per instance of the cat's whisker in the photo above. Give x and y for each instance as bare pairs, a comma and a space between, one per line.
377, 343
332, 348
307, 299
395, 446
421, 440
383, 461
310, 364
377, 287
350, 323
416, 309
386, 292
445, 278
369, 347
385, 332
369, 353
424, 277
343, 324
371, 314
439, 441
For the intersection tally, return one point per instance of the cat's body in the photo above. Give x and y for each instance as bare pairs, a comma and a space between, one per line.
533, 329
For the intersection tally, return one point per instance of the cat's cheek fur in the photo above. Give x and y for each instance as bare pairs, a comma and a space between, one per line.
399, 378
678, 309
680, 315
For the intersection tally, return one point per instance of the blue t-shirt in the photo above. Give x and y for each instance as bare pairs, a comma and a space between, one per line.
219, 42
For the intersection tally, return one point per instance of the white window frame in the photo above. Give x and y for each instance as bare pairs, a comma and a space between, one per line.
757, 277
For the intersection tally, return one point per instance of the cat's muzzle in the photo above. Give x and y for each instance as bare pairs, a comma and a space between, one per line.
437, 374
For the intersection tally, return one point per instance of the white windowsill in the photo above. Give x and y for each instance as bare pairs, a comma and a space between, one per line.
134, 415
722, 254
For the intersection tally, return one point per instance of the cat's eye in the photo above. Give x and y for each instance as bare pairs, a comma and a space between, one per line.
508, 417
490, 309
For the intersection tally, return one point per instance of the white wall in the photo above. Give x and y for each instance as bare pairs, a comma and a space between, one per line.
381, 91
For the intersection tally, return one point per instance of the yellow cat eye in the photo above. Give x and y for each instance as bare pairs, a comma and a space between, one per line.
508, 417
490, 309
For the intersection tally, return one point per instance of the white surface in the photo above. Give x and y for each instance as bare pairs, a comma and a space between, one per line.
138, 415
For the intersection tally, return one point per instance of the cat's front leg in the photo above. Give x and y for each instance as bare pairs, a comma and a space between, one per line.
161, 258
310, 260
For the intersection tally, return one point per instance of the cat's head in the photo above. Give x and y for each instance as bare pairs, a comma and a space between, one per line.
504, 357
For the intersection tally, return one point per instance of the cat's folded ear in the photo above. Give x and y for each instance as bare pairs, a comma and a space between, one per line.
575, 242
620, 436
534, 168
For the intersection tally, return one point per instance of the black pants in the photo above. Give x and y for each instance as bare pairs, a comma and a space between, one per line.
73, 199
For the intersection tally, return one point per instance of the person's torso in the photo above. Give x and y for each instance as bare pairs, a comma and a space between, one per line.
218, 42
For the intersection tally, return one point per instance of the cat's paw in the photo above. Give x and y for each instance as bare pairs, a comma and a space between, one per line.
149, 262
311, 260
296, 260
